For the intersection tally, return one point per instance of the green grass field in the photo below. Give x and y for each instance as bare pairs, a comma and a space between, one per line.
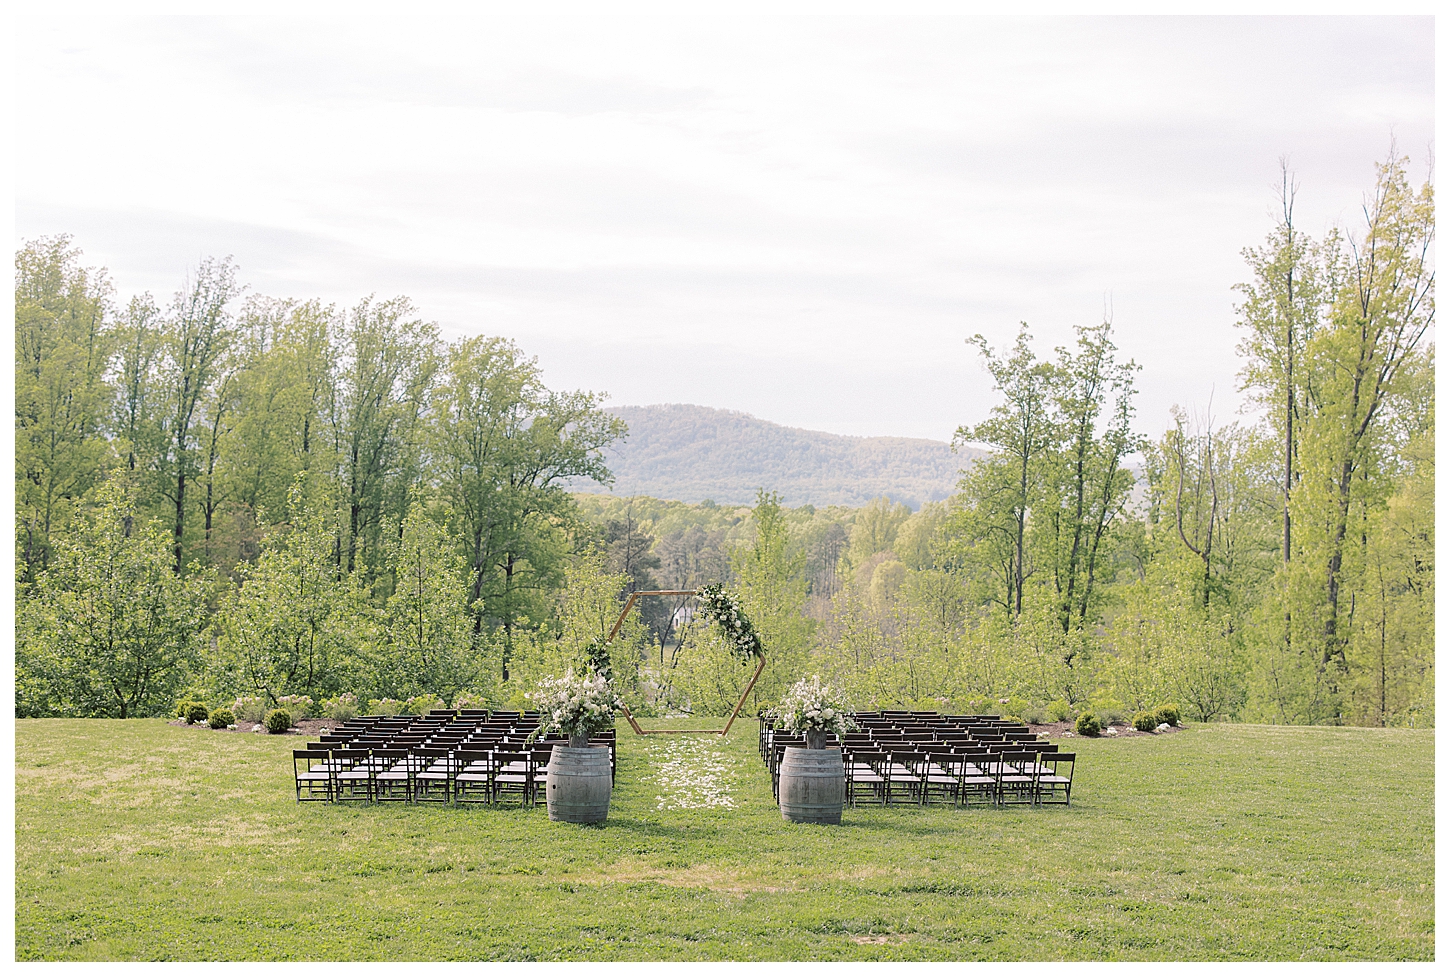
139, 840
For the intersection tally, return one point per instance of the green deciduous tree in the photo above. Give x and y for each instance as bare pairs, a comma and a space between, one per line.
62, 347
109, 628
299, 624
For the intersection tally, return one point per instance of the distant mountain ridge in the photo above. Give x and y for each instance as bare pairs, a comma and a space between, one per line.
691, 453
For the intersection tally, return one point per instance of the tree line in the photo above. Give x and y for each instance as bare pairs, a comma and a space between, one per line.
236, 495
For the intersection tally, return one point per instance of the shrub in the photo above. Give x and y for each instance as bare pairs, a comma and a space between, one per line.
1015, 706
1144, 722
385, 707
250, 708
1088, 725
470, 700
279, 721
300, 706
197, 713
183, 707
1011, 719
982, 706
420, 705
1035, 714
1059, 710
1167, 713
221, 719
1109, 711
341, 707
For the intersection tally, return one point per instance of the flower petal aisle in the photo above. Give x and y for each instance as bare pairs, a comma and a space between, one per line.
691, 773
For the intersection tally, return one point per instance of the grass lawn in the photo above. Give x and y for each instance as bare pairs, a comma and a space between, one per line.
139, 840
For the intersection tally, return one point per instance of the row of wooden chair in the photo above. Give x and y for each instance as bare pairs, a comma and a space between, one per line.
1034, 776
423, 775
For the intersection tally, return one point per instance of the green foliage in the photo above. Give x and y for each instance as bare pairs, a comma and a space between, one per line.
221, 719
341, 707
471, 700
196, 712
109, 628
421, 705
386, 707
297, 624
428, 641
1144, 722
1087, 724
1059, 710
300, 706
278, 721
250, 708
1166, 713
62, 349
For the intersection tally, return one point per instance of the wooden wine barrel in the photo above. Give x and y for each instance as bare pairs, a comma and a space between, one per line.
812, 785
578, 784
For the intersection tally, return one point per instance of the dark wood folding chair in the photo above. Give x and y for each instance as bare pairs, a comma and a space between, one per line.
979, 777
392, 779
312, 769
351, 775
943, 777
866, 775
432, 775
1054, 778
472, 777
513, 773
1018, 781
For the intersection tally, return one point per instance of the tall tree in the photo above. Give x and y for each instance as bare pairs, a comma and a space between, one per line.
505, 446
388, 360
1009, 482
198, 337
62, 345
1381, 315
1090, 485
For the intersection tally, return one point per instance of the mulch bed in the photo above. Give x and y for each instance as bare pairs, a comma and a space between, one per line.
303, 727
1065, 729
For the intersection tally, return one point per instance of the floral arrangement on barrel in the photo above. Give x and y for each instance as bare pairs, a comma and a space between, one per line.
816, 709
576, 705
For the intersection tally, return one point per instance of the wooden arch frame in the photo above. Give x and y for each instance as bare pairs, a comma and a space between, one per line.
628, 605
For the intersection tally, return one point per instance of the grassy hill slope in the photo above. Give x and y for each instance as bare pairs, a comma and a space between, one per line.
692, 453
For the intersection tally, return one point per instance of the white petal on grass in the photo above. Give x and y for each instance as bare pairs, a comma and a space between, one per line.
691, 774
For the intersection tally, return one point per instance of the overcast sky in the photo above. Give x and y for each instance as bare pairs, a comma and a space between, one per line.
798, 218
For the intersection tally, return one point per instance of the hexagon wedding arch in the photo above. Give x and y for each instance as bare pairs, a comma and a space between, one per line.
725, 609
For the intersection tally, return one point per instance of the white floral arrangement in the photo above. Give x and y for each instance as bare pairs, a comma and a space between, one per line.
575, 705
724, 609
812, 706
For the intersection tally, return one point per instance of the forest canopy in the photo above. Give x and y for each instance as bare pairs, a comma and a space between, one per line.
228, 496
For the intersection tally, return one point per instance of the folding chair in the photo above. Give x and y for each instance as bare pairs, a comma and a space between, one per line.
351, 776
907, 773
312, 769
979, 777
392, 779
865, 780
513, 772
1018, 781
432, 775
943, 777
472, 777
1052, 784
